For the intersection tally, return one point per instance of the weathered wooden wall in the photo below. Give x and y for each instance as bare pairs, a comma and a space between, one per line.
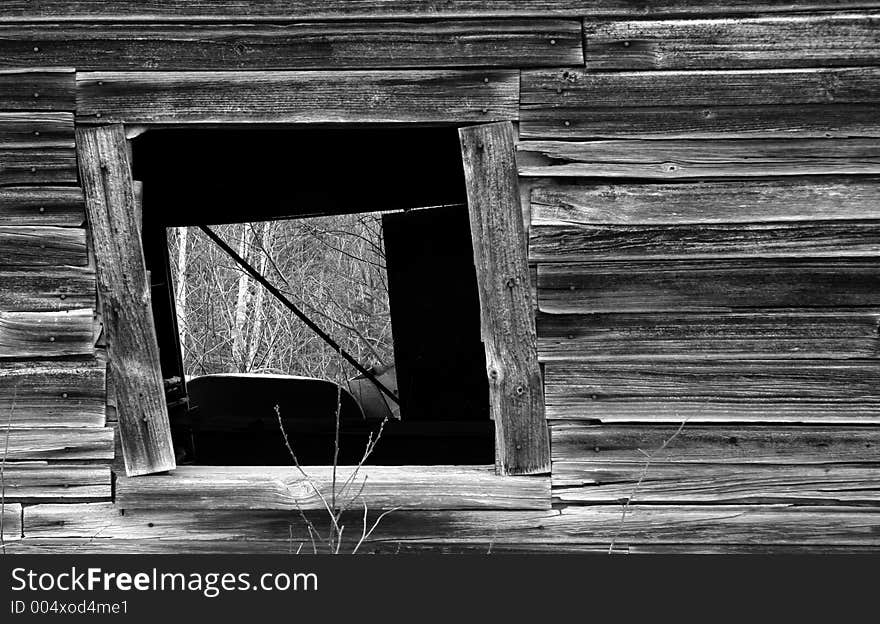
702, 183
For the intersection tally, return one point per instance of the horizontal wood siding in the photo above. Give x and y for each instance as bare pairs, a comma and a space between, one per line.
37, 89
676, 159
42, 246
298, 97
60, 443
683, 335
819, 40
352, 45
44, 394
42, 205
812, 102
282, 487
37, 482
47, 334
699, 285
225, 10
46, 288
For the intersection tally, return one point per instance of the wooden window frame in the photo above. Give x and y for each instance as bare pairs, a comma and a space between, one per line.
518, 480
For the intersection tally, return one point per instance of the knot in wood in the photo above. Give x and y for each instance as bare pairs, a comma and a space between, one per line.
519, 390
511, 282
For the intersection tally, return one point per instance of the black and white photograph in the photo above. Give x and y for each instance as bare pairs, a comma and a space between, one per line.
464, 277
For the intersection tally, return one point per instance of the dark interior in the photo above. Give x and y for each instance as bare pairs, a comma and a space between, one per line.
207, 176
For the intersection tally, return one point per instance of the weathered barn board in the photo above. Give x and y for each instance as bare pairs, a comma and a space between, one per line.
697, 285
36, 482
506, 314
298, 97
742, 335
709, 202
562, 405
42, 289
663, 482
285, 488
754, 380
598, 524
675, 159
59, 443
37, 166
579, 442
32, 130
707, 122
353, 45
37, 89
42, 205
125, 300
47, 334
10, 521
729, 104
28, 245
53, 394
224, 10
555, 242
818, 40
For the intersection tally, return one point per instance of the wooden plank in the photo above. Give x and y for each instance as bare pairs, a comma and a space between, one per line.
717, 122
59, 443
29, 245
551, 242
709, 202
35, 89
328, 45
576, 442
280, 10
125, 300
818, 40
47, 334
794, 103
677, 159
36, 148
506, 313
743, 335
41, 482
53, 394
10, 520
751, 380
663, 482
700, 285
284, 487
42, 205
298, 97
46, 289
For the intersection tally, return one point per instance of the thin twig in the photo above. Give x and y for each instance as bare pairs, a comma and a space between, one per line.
3, 470
648, 460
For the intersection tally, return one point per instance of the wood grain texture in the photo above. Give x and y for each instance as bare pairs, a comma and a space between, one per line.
681, 159
36, 148
693, 336
125, 300
328, 45
224, 10
825, 199
298, 97
28, 245
670, 483
795, 103
721, 526
819, 40
42, 205
551, 242
11, 522
506, 313
47, 289
700, 285
47, 334
59, 394
60, 443
583, 442
33, 482
285, 488
35, 89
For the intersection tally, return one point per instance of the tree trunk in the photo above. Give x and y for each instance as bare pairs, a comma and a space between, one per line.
239, 335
